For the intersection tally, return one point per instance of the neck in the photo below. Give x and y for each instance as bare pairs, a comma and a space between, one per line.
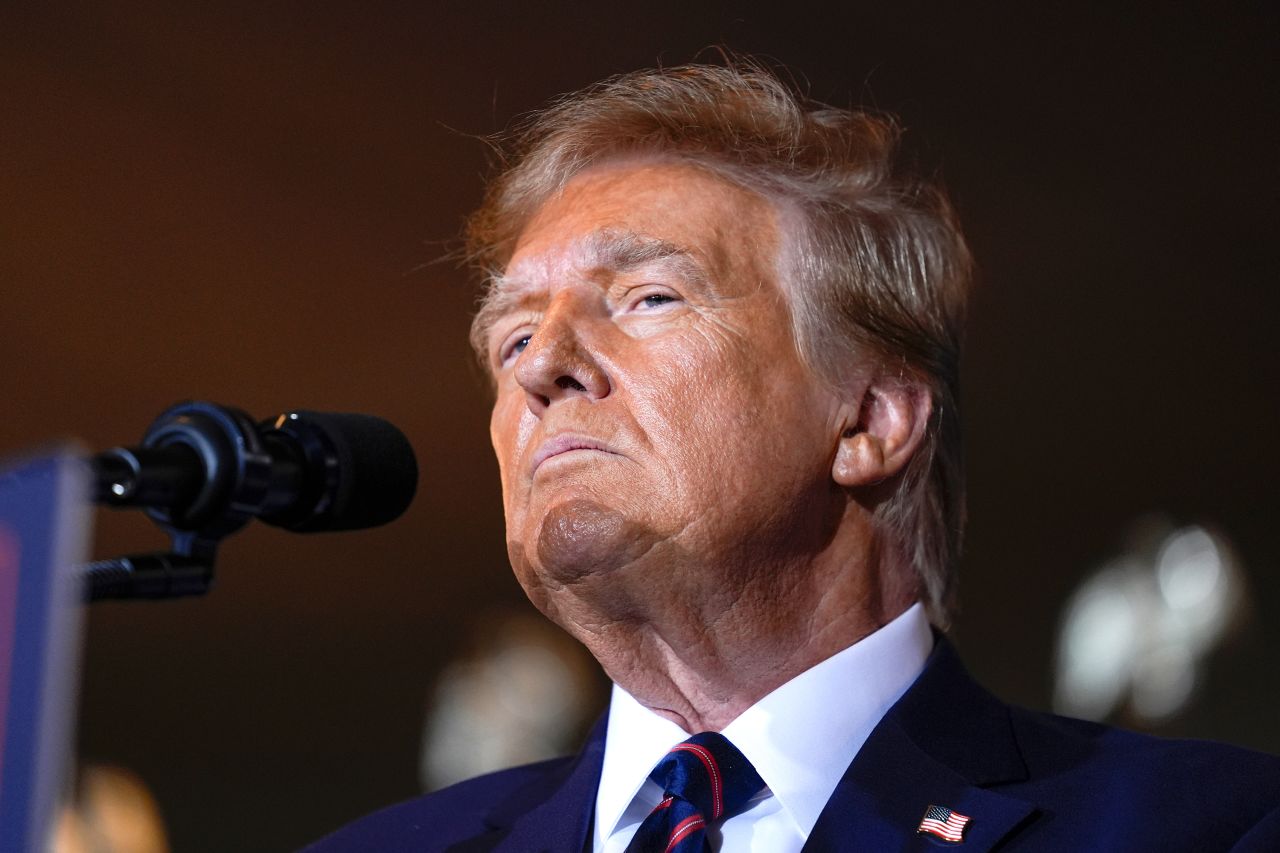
702, 664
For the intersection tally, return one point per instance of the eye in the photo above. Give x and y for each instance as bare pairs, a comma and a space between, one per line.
514, 346
652, 298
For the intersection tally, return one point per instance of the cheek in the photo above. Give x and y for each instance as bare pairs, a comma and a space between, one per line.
745, 418
702, 416
509, 433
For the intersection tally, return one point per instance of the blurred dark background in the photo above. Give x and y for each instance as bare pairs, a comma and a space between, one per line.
248, 204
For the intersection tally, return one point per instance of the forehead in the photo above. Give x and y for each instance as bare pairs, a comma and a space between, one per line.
630, 215
610, 247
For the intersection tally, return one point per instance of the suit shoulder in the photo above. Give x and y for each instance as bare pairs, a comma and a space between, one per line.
434, 821
1048, 738
1224, 785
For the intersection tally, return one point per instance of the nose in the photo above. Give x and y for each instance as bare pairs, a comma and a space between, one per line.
558, 363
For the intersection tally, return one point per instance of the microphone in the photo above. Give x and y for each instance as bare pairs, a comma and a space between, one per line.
203, 471
209, 469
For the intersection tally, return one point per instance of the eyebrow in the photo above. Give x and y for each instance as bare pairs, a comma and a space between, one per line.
626, 250
606, 249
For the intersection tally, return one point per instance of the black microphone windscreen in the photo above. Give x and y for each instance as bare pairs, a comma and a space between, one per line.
370, 472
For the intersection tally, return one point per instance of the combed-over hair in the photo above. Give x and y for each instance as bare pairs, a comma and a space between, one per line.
874, 262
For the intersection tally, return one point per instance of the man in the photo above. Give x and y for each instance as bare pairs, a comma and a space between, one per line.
724, 327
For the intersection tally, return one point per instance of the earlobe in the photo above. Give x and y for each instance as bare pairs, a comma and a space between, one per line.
889, 427
859, 460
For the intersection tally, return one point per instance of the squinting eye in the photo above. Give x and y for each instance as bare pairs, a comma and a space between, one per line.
653, 300
517, 347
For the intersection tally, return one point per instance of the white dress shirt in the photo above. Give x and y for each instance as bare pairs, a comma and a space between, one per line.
800, 738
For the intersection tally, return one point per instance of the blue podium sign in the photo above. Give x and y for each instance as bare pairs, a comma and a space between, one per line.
44, 535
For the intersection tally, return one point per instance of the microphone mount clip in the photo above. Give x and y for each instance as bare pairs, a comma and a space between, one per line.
197, 513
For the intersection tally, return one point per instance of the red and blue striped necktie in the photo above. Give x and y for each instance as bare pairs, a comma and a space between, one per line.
705, 779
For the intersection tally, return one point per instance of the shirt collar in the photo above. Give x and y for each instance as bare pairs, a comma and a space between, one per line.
635, 740
800, 738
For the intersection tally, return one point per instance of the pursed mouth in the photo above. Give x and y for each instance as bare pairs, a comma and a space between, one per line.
559, 445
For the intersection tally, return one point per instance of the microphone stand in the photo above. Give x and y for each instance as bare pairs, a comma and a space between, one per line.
156, 575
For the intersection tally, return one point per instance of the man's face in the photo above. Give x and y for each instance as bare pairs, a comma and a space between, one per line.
655, 425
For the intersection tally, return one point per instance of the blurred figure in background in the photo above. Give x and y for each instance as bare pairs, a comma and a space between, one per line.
114, 812
525, 693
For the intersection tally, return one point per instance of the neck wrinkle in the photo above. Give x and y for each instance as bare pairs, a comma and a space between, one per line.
703, 680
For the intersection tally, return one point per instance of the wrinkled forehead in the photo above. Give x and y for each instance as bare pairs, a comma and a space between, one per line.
602, 250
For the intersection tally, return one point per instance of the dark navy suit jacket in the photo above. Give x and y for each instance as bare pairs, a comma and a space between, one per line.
1029, 781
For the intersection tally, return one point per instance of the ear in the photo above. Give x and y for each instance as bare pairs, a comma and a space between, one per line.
887, 430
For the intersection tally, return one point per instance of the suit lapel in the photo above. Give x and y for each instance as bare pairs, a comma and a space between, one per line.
554, 817
942, 744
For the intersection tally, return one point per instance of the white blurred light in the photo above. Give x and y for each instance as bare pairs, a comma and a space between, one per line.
1136, 633
1189, 569
1096, 652
1199, 582
1162, 684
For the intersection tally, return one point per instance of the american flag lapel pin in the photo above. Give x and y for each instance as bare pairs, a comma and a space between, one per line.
943, 823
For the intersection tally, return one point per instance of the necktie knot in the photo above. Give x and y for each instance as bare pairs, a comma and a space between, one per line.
710, 772
705, 779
